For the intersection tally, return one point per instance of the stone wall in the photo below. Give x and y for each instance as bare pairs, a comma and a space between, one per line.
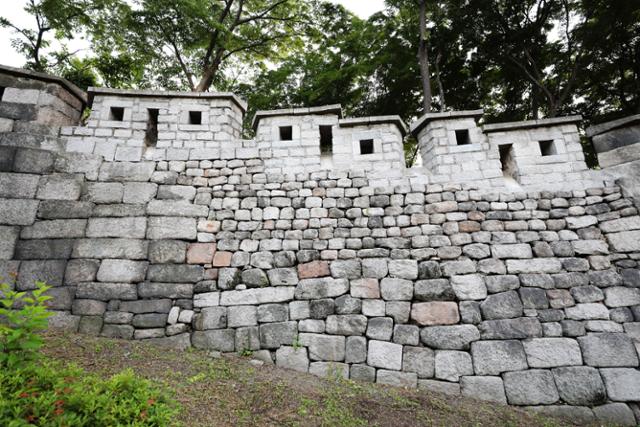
531, 299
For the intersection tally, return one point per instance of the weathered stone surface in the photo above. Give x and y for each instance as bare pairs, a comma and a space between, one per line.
397, 379
8, 239
242, 315
618, 296
88, 307
59, 187
321, 288
167, 251
18, 211
274, 335
348, 324
451, 365
346, 269
396, 289
257, 296
520, 328
118, 331
122, 271
450, 337
324, 347
504, 305
110, 248
171, 228
490, 389
165, 290
444, 387
536, 265
217, 339
512, 251
433, 290
384, 355
107, 291
133, 228
211, 318
505, 283
62, 209
403, 268
365, 288
420, 360
626, 241
147, 306
313, 269
18, 186
283, 277
533, 387
49, 272
608, 350
292, 358
125, 171
496, 357
435, 313
580, 385
552, 352
623, 384
588, 311
615, 413
469, 287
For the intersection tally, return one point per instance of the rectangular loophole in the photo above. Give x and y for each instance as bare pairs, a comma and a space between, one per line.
286, 133
116, 114
547, 148
366, 146
462, 137
508, 162
151, 134
326, 139
195, 117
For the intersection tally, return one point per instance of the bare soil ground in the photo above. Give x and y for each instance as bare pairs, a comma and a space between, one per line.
231, 391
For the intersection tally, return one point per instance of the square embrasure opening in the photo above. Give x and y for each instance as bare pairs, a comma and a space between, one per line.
326, 140
366, 146
116, 114
547, 148
462, 137
286, 133
195, 117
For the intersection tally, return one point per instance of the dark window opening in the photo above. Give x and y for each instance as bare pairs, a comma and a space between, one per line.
462, 137
326, 139
195, 117
366, 146
507, 160
151, 135
286, 133
1, 92
116, 114
547, 148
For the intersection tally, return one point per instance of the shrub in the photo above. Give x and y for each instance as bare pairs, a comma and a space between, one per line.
50, 394
22, 316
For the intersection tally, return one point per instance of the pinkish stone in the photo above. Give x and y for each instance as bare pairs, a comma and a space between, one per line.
365, 288
222, 259
200, 253
313, 269
435, 313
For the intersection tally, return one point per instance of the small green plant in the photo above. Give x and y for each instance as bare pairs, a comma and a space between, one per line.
22, 316
246, 353
296, 343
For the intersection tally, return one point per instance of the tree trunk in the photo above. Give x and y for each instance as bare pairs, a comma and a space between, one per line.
443, 103
423, 58
209, 74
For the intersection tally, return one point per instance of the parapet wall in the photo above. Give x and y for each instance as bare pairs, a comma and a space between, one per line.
531, 299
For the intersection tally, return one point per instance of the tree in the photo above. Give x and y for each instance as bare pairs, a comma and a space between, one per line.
198, 37
58, 17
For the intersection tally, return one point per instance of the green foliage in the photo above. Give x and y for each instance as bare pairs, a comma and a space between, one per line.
55, 395
22, 317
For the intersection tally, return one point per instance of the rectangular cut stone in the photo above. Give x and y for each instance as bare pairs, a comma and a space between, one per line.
552, 352
44, 249
181, 273
18, 186
62, 209
621, 224
131, 227
435, 313
321, 288
176, 208
386, 355
172, 228
536, 265
110, 248
125, 171
55, 229
18, 211
8, 239
626, 241
107, 291
207, 299
60, 187
522, 250
496, 357
257, 296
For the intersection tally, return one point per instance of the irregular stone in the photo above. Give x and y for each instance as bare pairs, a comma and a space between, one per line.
420, 360
490, 389
50, 272
321, 288
121, 271
349, 324
552, 352
283, 277
403, 268
257, 296
165, 290
434, 290
324, 347
536, 265
496, 357
435, 313
521, 251
504, 305
171, 228
255, 278
608, 350
532, 387
397, 379
450, 337
110, 248
384, 355
396, 289
451, 365
505, 283
168, 273
292, 358
218, 339
313, 269
580, 385
623, 384
618, 296
469, 287
346, 269
626, 241
615, 413
274, 335
133, 228
587, 312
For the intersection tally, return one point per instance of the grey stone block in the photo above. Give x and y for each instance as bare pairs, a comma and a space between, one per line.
346, 269
139, 192
457, 337
504, 283
384, 355
63, 209
396, 289
118, 331
107, 291
43, 249
88, 307
169, 273
132, 228
503, 305
103, 192
520, 328
580, 385
59, 187
64, 321
397, 379
380, 328
268, 313
172, 228
608, 350
324, 347
255, 278
283, 277
50, 272
533, 387
218, 339
165, 290
8, 239
34, 161
211, 318
176, 208
150, 320
490, 389
146, 306
133, 249
406, 334
242, 315
18, 186
274, 335
248, 338
325, 287
292, 358
469, 287
450, 365
356, 349
623, 384
496, 357
346, 324
442, 387
552, 352
167, 252
18, 211
433, 290
420, 360
126, 171
90, 325
615, 413
122, 271
362, 373
533, 298
55, 229
61, 298
619, 296
81, 270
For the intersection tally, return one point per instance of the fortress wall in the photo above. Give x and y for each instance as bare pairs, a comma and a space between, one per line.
529, 298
